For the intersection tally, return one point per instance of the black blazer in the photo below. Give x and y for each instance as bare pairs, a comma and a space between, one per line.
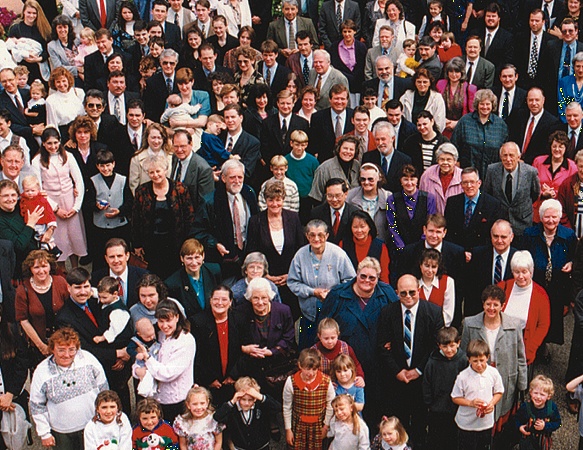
322, 137
399, 159
486, 212
518, 102
201, 82
89, 168
522, 57
278, 80
570, 153
155, 96
172, 36
355, 76
518, 125
271, 139
18, 123
454, 259
248, 148
123, 150
135, 274
232, 42
556, 14
501, 50
400, 86
95, 69
322, 212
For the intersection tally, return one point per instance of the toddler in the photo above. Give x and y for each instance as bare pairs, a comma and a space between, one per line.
348, 430
109, 425
112, 305
344, 375
178, 109
278, 167
448, 48
146, 336
392, 434
36, 109
151, 429
86, 47
406, 63
44, 229
212, 148
197, 428
147, 68
435, 286
22, 74
434, 15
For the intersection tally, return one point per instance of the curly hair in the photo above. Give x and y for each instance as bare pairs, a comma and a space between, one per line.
82, 123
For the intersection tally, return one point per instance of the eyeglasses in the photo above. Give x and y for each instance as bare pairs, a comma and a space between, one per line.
364, 180
404, 294
365, 277
334, 196
168, 63
94, 105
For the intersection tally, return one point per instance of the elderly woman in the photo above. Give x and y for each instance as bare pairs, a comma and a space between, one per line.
162, 216
63, 391
154, 143
38, 300
246, 75
173, 367
65, 103
570, 88
254, 266
478, 136
151, 291
528, 302
552, 247
371, 198
246, 38
62, 49
315, 269
421, 146
444, 179
423, 97
503, 334
344, 165
569, 198
307, 98
395, 18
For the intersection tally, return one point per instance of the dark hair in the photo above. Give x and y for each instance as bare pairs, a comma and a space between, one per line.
257, 90
427, 41
370, 92
153, 24
269, 46
234, 106
447, 335
135, 103
363, 215
336, 182
38, 255
133, 8
168, 308
104, 157
79, 275
408, 170
399, 6
559, 136
303, 34
117, 242
434, 25
160, 3
493, 292
82, 123
149, 405
51, 132
350, 24
108, 284
140, 25
493, 7
436, 219
478, 347
223, 77
394, 104
249, 30
184, 132
362, 110
423, 72
151, 280
63, 20
432, 255
103, 32
348, 138
108, 396
222, 287
5, 114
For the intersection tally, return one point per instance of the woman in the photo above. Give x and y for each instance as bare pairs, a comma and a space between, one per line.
66, 103
553, 169
527, 302
371, 198
361, 242
123, 29
62, 180
185, 80
552, 247
277, 233
503, 334
173, 368
62, 49
63, 391
307, 100
344, 165
423, 98
570, 88
115, 62
217, 81
246, 76
457, 93
444, 179
348, 56
254, 266
219, 332
83, 136
373, 11
246, 38
189, 56
194, 282
294, 85
258, 109
151, 291
478, 136
162, 216
395, 18
407, 210
237, 13
34, 25
154, 143
421, 146
38, 300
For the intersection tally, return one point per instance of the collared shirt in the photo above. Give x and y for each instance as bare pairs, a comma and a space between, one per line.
138, 133
550, 9
310, 59
510, 100
388, 157
504, 261
397, 128
198, 286
185, 163
122, 106
473, 200
474, 65
244, 212
492, 35
124, 282
341, 3
234, 137
207, 27
287, 120
208, 72
514, 174
536, 119
347, 55
577, 131
539, 40
413, 310
294, 24
390, 84
573, 46
105, 56
170, 78
342, 116
438, 248
273, 69
17, 96
325, 76
332, 211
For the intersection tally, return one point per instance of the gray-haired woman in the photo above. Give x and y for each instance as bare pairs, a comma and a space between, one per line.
254, 266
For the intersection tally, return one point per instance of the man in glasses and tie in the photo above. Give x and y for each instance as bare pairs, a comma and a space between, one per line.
284, 30
160, 85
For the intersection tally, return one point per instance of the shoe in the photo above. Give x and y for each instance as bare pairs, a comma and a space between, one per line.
84, 260
56, 252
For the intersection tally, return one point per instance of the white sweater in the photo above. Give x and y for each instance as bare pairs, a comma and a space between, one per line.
97, 434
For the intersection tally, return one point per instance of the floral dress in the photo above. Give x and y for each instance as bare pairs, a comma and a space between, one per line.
200, 433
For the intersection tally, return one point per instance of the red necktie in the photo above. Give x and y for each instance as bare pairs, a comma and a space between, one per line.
102, 13
336, 225
89, 314
120, 288
528, 136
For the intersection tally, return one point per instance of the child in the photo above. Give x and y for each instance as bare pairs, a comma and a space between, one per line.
118, 316
178, 109
344, 375
435, 286
575, 387
45, 227
36, 109
212, 148
109, 425
156, 45
439, 376
247, 415
540, 417
196, 428
369, 100
278, 167
151, 428
348, 430
406, 63
477, 389
146, 336
22, 74
307, 408
86, 47
147, 68
435, 15
392, 435
448, 48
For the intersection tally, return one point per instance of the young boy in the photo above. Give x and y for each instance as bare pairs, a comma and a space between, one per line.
370, 99
247, 415
278, 167
477, 389
178, 109
152, 432
441, 370
118, 316
22, 74
212, 148
406, 63
307, 403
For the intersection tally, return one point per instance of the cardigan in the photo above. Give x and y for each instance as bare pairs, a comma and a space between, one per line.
435, 105
431, 183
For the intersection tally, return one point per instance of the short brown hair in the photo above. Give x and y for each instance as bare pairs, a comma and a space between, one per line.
191, 247
477, 347
59, 72
269, 46
41, 256
309, 359
149, 405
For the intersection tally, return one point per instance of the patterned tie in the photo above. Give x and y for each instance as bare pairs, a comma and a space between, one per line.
498, 270
283, 131
18, 103
469, 75
549, 271
237, 225
120, 288
169, 85
178, 174
202, 28
338, 15
336, 225
407, 334
508, 188
468, 213
230, 145
319, 84
567, 62
533, 61
268, 77
117, 109
338, 127
385, 98
505, 106
292, 36
176, 22
306, 71
89, 314
102, 14
135, 142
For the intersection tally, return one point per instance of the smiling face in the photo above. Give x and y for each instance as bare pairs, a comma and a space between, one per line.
246, 402
62, 32
535, 101
367, 279
290, 11
52, 145
501, 236
422, 84
274, 205
321, 63
369, 179
12, 163
539, 396
433, 234
393, 13
149, 420
192, 263
285, 106
233, 179
117, 259
233, 121
449, 350
309, 101
360, 229
8, 80
335, 196
64, 354
159, 13
384, 141
339, 102
484, 109
316, 237
83, 137
425, 126
409, 184
429, 268
471, 184
208, 58
30, 15
261, 302
41, 271
522, 276
117, 85
107, 411
510, 157
198, 405
574, 116
62, 84
508, 78
115, 63
104, 44
492, 308
492, 20
80, 293
347, 151
550, 220
348, 36
220, 303
157, 174
168, 325
446, 163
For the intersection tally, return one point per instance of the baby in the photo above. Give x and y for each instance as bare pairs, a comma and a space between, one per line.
212, 148
118, 316
406, 63
36, 110
178, 109
146, 336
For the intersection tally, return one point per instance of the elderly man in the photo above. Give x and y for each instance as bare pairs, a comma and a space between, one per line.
160, 85
13, 165
515, 184
284, 29
386, 48
572, 203
573, 128
323, 76
386, 86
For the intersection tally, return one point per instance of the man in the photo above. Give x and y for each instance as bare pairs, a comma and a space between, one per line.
572, 204
335, 212
490, 264
551, 10
498, 42
221, 220
117, 97
94, 104
470, 215
13, 165
530, 127
327, 125
510, 96
160, 85
94, 65
128, 138
386, 157
221, 40
93, 16
332, 14
323, 76
208, 58
239, 142
140, 48
361, 120
386, 48
203, 18
573, 128
515, 184
170, 30
180, 16
190, 169
274, 74
406, 337
284, 29
385, 84
479, 71
527, 50
7, 137
302, 61
402, 127
429, 59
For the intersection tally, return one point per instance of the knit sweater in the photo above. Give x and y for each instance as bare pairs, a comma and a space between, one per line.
97, 434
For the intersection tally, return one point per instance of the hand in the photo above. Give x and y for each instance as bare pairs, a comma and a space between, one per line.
222, 250
539, 425
98, 339
387, 346
71, 144
359, 382
113, 212
44, 349
464, 26
100, 206
488, 408
252, 350
35, 216
321, 293
468, 256
47, 236
256, 20
6, 402
238, 395
324, 431
48, 442
141, 372
402, 376
119, 365
289, 437
139, 252
253, 393
567, 267
523, 430
122, 354
228, 380
216, 384
477, 403
412, 374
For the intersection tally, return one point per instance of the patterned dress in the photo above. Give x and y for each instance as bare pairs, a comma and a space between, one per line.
200, 433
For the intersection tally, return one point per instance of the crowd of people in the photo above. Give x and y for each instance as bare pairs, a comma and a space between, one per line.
362, 218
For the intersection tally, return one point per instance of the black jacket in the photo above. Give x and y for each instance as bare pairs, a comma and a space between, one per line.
438, 379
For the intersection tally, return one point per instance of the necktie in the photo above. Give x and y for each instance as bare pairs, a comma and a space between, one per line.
176, 19
498, 270
230, 144
102, 13
549, 271
505, 106
117, 109
468, 213
407, 334
469, 77
338, 15
283, 131
384, 165
202, 28
292, 36
135, 142
18, 103
384, 51
385, 96
572, 144
508, 187
338, 127
306, 71
89, 314
169, 85
237, 225
488, 42
120, 288
533, 61
319, 84
547, 17
178, 174
528, 135
567, 62
268, 77
336, 225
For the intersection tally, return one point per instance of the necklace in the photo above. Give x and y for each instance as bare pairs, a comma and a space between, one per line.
41, 289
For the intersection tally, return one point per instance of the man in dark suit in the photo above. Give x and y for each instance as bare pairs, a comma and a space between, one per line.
274, 74
160, 85
527, 50
386, 157
385, 84
301, 62
284, 29
94, 65
406, 338
530, 127
239, 142
91, 15
480, 72
172, 34
510, 96
208, 59
94, 104
128, 138
498, 43
427, 48
335, 212
573, 128
551, 11
329, 25
117, 96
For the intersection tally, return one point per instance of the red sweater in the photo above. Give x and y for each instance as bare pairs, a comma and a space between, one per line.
330, 355
28, 205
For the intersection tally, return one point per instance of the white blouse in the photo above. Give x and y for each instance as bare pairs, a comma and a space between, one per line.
63, 108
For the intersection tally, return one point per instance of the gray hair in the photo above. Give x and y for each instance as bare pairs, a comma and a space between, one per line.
259, 284
449, 148
291, 2
370, 263
486, 94
255, 257
577, 158
315, 223
156, 161
384, 126
381, 57
168, 52
522, 259
578, 57
323, 53
550, 203
232, 164
387, 28
456, 64
575, 104
514, 145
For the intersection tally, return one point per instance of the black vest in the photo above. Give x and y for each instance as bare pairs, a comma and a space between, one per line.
374, 251
410, 230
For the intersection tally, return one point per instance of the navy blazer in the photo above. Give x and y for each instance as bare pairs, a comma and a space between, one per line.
172, 36
18, 122
355, 76
322, 212
135, 274
278, 80
518, 102
155, 96
322, 137
248, 148
271, 138
399, 159
328, 28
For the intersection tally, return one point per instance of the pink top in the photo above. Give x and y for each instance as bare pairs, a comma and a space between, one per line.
543, 165
347, 54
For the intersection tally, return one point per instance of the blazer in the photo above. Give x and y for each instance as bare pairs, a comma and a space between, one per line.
95, 69
522, 57
201, 82
272, 141
59, 57
199, 178
294, 64
559, 10
248, 148
89, 12
321, 133
277, 31
400, 86
322, 212
335, 77
155, 96
371, 142
278, 80
518, 125
484, 74
518, 102
519, 211
123, 148
372, 54
328, 27
135, 274
355, 76
501, 50
172, 36
185, 17
18, 123
399, 159
454, 259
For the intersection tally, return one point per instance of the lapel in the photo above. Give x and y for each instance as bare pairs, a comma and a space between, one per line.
281, 30
477, 215
354, 308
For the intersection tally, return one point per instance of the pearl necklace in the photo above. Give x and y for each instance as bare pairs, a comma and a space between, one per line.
41, 289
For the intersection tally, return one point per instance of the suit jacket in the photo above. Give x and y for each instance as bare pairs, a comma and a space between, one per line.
248, 148
208, 30
18, 123
454, 259
272, 142
518, 102
484, 73
294, 64
155, 96
327, 25
335, 77
277, 31
371, 142
322, 212
355, 76
486, 212
278, 80
89, 12
522, 57
372, 54
321, 133
199, 178
185, 17
135, 274
570, 153
107, 133
201, 82
172, 36
518, 125
127, 96
400, 86
501, 50
232, 42
556, 14
94, 69
123, 149
399, 159
7, 266
519, 211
